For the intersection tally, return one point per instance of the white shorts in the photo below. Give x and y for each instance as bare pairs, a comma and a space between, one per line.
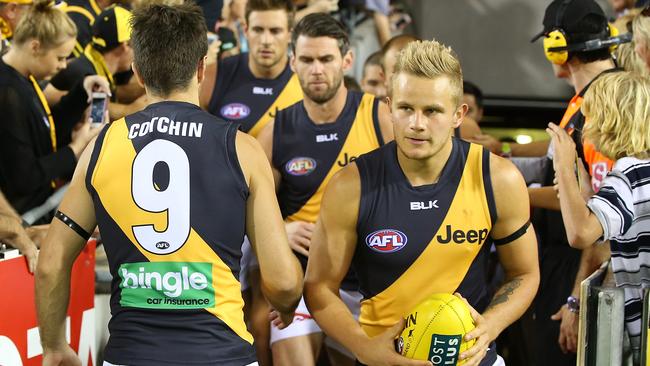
303, 323
247, 262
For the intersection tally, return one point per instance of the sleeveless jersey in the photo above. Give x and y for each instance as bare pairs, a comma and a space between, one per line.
416, 241
170, 201
239, 96
307, 155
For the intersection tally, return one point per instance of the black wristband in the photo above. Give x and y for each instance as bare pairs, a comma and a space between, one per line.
514, 236
72, 225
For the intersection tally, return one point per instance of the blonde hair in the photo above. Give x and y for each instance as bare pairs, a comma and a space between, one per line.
629, 60
641, 27
617, 108
50, 26
431, 59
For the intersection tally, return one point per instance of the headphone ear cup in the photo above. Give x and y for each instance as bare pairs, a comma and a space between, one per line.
613, 32
556, 39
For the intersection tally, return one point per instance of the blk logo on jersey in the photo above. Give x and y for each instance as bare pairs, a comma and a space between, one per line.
262, 91
235, 111
300, 166
327, 138
420, 205
386, 240
462, 237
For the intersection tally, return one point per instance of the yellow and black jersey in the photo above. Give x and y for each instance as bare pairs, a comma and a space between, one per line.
170, 201
83, 14
308, 155
416, 241
239, 96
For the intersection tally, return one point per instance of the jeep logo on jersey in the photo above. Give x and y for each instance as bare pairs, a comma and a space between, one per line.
166, 285
235, 111
461, 237
386, 240
300, 166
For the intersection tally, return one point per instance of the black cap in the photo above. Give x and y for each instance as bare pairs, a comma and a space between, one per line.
112, 27
568, 15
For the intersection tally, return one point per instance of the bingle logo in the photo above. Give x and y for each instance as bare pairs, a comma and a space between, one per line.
416, 206
300, 166
386, 240
327, 138
235, 111
262, 91
460, 236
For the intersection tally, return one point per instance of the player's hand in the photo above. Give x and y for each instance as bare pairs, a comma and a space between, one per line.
488, 141
564, 149
25, 245
299, 234
37, 233
568, 338
380, 350
281, 320
64, 356
481, 334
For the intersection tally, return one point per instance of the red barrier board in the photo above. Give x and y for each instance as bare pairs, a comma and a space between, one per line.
19, 338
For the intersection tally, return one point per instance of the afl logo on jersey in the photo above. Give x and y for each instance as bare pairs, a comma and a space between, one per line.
300, 166
386, 240
235, 111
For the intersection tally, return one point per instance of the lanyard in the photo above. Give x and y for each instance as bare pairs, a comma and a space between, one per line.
46, 107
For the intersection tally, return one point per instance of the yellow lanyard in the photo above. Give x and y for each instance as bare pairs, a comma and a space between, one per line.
99, 64
46, 106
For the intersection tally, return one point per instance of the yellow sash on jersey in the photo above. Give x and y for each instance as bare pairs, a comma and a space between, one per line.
440, 268
291, 94
361, 139
78, 47
113, 185
96, 58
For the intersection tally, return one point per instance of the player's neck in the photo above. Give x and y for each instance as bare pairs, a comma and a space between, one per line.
189, 95
262, 72
420, 172
329, 111
111, 62
583, 74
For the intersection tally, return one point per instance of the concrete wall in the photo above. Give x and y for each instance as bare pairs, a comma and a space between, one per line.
492, 38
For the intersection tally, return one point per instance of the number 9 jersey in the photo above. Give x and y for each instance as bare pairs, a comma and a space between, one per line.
170, 200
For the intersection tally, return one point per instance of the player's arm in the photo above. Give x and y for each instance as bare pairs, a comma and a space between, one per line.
207, 84
385, 122
59, 251
517, 250
281, 274
332, 249
265, 139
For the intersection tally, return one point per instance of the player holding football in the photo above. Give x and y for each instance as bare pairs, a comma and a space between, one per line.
374, 211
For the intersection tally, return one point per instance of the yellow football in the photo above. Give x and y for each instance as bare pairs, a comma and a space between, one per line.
435, 329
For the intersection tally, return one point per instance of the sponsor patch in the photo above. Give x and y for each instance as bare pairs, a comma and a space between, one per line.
166, 285
235, 111
300, 166
386, 240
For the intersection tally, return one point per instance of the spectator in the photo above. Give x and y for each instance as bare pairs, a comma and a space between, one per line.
108, 54
306, 7
372, 79
641, 31
621, 7
617, 108
83, 14
31, 156
234, 18
473, 97
10, 13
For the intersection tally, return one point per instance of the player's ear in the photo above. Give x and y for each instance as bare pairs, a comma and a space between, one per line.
348, 60
137, 74
200, 72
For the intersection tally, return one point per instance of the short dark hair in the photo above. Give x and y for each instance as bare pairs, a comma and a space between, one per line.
266, 5
472, 89
399, 41
168, 44
321, 25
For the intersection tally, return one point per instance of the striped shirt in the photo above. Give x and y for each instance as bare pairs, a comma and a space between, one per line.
623, 208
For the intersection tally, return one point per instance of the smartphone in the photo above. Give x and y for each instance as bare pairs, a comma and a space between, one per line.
98, 108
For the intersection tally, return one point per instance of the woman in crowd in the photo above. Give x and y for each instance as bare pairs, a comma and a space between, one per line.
36, 153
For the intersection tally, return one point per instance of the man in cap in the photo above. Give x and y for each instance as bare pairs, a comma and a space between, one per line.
108, 54
576, 42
